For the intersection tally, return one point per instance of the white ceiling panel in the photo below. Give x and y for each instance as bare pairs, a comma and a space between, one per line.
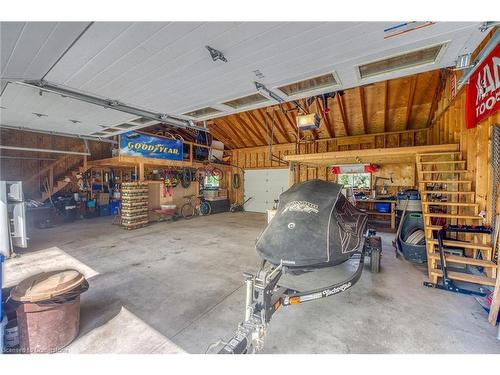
21, 102
30, 49
165, 67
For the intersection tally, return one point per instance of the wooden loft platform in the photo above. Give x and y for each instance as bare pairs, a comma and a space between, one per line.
376, 155
135, 161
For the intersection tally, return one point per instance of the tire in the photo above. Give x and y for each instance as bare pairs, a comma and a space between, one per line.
205, 208
375, 261
217, 174
187, 211
236, 181
186, 177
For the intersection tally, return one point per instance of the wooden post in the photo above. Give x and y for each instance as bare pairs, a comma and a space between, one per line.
141, 171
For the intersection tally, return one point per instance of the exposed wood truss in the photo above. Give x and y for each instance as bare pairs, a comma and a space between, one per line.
395, 105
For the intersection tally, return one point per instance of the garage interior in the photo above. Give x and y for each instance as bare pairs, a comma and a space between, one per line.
144, 162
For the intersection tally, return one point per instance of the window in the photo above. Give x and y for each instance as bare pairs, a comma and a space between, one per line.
420, 57
207, 111
211, 183
355, 180
246, 101
309, 84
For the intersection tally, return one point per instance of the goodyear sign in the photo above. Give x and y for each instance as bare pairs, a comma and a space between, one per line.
135, 144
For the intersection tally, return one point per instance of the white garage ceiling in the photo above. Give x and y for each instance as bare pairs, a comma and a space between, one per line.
165, 67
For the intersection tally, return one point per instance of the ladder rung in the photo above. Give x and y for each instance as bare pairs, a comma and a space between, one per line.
446, 181
482, 280
443, 162
466, 245
464, 260
453, 204
452, 216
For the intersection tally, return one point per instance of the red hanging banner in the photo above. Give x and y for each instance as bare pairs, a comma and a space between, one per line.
483, 90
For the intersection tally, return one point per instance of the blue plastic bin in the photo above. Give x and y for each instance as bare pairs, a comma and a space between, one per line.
104, 210
114, 207
383, 207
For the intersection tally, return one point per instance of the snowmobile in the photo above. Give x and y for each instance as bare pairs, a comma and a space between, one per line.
315, 226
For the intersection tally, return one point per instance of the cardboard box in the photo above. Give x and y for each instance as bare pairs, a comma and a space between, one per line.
102, 199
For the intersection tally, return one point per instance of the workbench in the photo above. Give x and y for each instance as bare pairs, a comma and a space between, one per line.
371, 209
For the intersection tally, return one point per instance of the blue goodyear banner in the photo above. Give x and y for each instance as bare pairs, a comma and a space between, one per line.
135, 144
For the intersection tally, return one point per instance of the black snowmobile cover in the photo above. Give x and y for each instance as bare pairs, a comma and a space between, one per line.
315, 226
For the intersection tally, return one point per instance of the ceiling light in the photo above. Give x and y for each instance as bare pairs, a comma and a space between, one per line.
424, 56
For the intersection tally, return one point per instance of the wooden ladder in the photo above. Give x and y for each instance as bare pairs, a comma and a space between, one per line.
447, 197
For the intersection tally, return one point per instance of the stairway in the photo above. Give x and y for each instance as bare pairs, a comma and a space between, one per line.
55, 183
59, 184
448, 197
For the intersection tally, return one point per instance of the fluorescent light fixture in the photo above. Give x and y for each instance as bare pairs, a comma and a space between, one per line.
202, 112
310, 84
246, 101
423, 56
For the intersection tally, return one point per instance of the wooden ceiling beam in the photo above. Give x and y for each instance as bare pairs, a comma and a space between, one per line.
265, 115
291, 124
261, 127
223, 129
325, 118
250, 128
437, 96
340, 100
272, 120
279, 122
363, 108
245, 129
221, 135
267, 123
411, 97
232, 133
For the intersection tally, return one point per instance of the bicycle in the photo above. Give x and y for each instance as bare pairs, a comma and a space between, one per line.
190, 208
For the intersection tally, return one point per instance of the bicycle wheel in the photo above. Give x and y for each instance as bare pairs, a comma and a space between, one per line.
186, 177
217, 174
187, 211
205, 208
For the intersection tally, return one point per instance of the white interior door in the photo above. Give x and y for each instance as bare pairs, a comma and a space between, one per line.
264, 186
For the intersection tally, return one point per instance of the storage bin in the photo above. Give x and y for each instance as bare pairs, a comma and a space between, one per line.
104, 210
114, 207
383, 207
48, 316
91, 203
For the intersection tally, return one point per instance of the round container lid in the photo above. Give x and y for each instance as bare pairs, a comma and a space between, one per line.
46, 285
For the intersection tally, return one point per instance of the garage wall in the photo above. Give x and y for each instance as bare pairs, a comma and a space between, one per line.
21, 169
258, 157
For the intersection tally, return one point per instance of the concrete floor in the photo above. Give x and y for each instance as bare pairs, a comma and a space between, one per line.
173, 287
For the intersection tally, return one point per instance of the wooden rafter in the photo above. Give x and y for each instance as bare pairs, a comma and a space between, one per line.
437, 95
411, 96
228, 134
261, 128
292, 126
386, 105
229, 129
363, 108
325, 118
214, 130
250, 128
279, 123
265, 115
340, 100
274, 118
245, 129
